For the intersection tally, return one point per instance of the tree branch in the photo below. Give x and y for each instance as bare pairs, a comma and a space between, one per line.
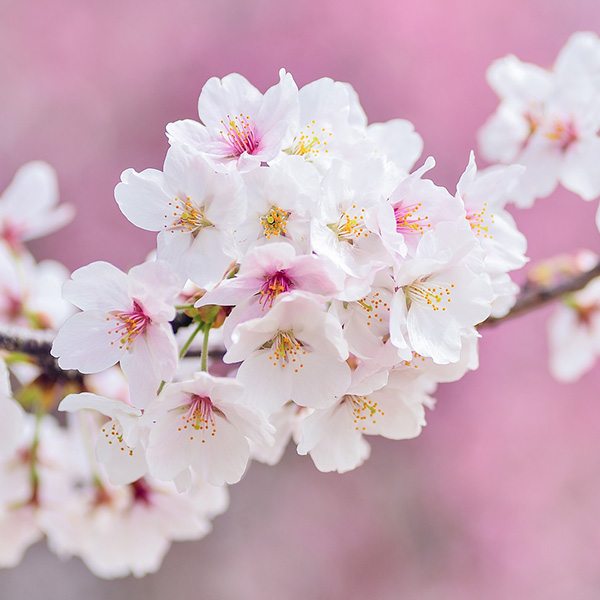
531, 298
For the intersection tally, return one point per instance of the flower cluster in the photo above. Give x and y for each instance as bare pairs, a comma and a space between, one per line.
311, 285
343, 284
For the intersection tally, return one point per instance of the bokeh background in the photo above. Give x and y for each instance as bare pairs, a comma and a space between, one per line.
500, 497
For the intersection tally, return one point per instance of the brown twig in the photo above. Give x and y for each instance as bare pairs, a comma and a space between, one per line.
532, 296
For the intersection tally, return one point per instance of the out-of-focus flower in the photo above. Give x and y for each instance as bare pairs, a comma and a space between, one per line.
548, 121
574, 333
28, 206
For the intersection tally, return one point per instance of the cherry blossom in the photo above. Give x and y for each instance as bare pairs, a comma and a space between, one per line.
240, 127
484, 195
374, 404
443, 293
193, 209
119, 447
202, 427
125, 318
295, 352
28, 206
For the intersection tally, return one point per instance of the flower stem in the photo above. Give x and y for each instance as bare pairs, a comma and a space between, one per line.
204, 358
34, 476
189, 341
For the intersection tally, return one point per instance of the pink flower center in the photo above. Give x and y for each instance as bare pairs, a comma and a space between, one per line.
480, 221
563, 133
408, 219
129, 325
12, 234
141, 492
239, 133
199, 418
274, 284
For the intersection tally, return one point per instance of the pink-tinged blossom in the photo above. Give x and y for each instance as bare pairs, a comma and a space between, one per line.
202, 427
119, 441
484, 195
548, 121
374, 404
346, 230
240, 128
281, 201
30, 292
118, 531
23, 499
267, 273
443, 293
366, 323
194, 210
125, 318
29, 205
295, 352
415, 207
330, 125
574, 334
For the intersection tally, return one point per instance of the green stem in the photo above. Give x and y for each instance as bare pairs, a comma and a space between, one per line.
34, 476
204, 358
187, 345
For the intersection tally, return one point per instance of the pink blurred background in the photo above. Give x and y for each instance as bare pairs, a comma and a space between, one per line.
500, 497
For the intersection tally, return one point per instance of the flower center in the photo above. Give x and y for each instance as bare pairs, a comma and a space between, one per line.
274, 223
408, 219
186, 216
480, 221
286, 350
436, 296
141, 492
275, 284
129, 324
114, 434
363, 410
350, 227
12, 234
199, 418
310, 141
375, 307
563, 133
239, 133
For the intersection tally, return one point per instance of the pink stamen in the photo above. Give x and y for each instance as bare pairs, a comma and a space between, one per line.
407, 218
239, 133
274, 284
130, 324
199, 418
